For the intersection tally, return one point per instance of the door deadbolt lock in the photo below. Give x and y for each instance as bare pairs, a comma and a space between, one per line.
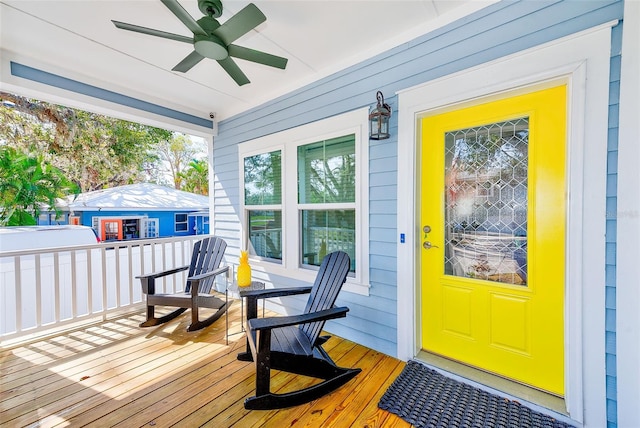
426, 229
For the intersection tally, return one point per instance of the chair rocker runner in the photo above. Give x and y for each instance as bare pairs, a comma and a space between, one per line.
205, 265
293, 343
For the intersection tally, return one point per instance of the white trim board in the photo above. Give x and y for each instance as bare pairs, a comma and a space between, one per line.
89, 95
582, 61
628, 219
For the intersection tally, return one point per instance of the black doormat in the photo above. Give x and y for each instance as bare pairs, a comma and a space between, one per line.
425, 398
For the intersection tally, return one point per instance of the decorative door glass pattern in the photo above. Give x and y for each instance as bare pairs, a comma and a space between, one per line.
486, 202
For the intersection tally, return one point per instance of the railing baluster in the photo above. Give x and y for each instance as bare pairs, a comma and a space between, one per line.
18, 291
105, 306
89, 283
56, 286
38, 303
74, 283
130, 263
164, 266
116, 252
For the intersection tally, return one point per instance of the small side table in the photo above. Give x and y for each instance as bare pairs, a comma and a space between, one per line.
235, 288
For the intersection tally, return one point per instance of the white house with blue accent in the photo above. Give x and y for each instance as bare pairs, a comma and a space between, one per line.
494, 235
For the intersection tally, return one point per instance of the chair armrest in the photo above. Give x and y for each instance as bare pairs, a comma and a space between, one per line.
195, 280
253, 296
208, 274
148, 281
277, 322
163, 273
274, 292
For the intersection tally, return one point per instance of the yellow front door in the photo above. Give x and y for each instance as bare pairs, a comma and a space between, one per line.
493, 236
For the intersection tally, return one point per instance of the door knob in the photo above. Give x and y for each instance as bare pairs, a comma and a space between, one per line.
428, 245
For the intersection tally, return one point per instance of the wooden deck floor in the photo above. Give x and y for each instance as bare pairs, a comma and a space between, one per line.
117, 374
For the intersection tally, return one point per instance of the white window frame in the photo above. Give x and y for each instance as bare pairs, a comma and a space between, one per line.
176, 222
288, 141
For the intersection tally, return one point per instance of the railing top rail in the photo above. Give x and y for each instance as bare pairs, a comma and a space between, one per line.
105, 244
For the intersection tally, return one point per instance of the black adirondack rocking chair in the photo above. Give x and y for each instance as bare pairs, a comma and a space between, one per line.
205, 266
293, 343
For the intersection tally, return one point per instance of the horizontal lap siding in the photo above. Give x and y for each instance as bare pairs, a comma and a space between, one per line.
611, 238
501, 29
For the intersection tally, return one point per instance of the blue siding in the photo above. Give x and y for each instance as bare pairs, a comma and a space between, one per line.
611, 238
501, 29
166, 220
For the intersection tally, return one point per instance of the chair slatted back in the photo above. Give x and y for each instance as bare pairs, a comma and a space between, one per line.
332, 274
207, 256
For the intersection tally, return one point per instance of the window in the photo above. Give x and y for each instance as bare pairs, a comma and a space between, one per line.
181, 222
263, 204
305, 194
326, 198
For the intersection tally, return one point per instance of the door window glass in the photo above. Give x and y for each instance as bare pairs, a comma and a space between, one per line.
486, 202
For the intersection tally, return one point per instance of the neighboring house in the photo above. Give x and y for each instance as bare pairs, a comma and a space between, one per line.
522, 263
139, 211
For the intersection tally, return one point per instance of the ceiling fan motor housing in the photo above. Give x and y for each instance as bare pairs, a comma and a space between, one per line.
211, 8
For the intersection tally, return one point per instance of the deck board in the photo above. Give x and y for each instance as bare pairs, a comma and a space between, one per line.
117, 374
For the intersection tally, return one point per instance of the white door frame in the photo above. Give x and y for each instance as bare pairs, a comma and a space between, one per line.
628, 222
582, 61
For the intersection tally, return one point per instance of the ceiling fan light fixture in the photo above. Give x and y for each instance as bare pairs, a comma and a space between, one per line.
210, 47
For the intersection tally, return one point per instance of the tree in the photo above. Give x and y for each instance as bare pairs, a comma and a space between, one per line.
175, 154
196, 177
27, 183
92, 150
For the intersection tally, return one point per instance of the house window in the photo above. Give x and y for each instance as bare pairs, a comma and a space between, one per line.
305, 194
181, 222
263, 204
326, 198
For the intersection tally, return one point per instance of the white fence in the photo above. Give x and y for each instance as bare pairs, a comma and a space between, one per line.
42, 290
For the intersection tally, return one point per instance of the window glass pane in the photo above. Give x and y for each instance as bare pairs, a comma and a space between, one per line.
265, 233
324, 231
327, 171
182, 223
263, 179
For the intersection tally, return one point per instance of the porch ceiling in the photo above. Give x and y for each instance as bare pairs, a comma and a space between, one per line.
76, 39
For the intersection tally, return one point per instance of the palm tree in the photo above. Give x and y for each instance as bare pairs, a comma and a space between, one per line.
196, 177
26, 183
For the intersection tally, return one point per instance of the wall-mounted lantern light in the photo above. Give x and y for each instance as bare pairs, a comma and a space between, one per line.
379, 119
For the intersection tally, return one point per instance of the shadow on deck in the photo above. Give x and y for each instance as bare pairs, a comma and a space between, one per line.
117, 374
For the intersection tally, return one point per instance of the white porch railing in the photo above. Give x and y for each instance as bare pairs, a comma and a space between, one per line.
49, 289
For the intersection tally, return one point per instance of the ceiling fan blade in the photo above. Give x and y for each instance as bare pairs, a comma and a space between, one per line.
240, 24
234, 71
188, 62
184, 16
152, 32
257, 56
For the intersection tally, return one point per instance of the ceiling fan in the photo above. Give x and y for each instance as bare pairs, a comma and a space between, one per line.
213, 40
